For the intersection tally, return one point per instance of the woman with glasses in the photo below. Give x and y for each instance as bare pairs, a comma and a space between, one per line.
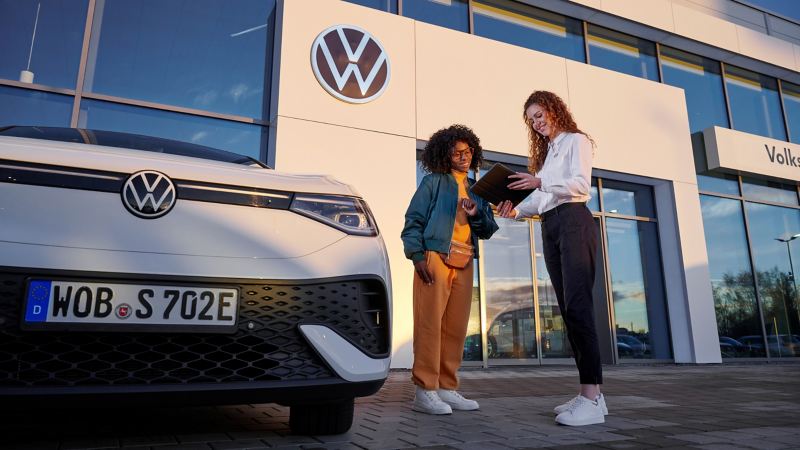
560, 168
442, 226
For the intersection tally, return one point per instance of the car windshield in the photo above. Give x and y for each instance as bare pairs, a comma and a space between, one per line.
129, 141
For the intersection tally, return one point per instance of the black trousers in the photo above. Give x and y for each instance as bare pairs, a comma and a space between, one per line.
569, 235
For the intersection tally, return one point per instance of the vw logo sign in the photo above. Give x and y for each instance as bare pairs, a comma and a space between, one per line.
350, 64
148, 194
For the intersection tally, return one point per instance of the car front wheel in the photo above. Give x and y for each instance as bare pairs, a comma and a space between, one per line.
328, 418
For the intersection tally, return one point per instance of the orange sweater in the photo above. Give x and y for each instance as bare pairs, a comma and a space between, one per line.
461, 231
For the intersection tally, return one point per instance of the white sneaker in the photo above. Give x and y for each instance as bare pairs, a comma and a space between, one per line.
563, 407
582, 412
428, 402
457, 401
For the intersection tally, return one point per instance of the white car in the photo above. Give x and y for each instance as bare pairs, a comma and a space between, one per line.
136, 269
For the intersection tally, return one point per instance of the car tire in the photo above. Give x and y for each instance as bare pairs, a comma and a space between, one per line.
328, 418
491, 344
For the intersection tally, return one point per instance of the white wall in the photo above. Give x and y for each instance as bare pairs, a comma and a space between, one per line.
641, 127
492, 83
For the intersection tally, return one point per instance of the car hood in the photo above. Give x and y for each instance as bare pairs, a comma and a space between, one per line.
112, 159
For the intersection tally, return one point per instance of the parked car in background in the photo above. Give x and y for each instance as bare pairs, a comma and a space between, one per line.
731, 348
789, 343
637, 348
782, 346
141, 270
625, 351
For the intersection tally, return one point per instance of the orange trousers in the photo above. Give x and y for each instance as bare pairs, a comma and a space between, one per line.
441, 314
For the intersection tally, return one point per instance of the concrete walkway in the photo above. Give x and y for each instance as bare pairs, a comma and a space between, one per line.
710, 407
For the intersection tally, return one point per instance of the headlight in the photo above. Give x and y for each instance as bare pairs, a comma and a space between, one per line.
348, 214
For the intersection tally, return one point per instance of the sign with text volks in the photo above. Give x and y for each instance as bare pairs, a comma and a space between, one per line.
744, 152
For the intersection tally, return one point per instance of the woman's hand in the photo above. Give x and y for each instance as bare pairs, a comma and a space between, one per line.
469, 206
524, 181
506, 210
422, 270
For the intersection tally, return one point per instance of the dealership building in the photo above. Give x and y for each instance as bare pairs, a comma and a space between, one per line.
694, 106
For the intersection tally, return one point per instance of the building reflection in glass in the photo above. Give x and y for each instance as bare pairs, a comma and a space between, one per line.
771, 227
769, 191
508, 285
41, 41
243, 138
621, 52
452, 14
732, 285
214, 55
473, 350
530, 27
755, 103
555, 343
628, 289
791, 105
26, 107
637, 289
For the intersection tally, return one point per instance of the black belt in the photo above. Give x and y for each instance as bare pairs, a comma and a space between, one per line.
560, 209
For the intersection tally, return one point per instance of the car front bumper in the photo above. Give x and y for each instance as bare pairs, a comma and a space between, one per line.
270, 358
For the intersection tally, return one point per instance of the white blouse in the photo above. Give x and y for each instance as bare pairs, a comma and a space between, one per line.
566, 175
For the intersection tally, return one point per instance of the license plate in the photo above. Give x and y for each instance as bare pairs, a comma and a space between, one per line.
79, 305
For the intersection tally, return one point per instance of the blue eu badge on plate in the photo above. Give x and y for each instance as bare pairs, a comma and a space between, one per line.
38, 301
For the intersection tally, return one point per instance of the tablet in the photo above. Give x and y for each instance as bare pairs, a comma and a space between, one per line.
493, 186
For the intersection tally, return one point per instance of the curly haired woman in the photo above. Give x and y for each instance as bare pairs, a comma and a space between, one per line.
560, 169
443, 224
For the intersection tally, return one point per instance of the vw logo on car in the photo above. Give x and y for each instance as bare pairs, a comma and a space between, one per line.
148, 194
350, 64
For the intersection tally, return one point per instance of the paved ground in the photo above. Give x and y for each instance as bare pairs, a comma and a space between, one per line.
717, 407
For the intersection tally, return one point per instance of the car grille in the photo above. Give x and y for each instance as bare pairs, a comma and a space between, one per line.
267, 345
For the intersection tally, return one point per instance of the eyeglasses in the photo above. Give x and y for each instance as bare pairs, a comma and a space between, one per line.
461, 153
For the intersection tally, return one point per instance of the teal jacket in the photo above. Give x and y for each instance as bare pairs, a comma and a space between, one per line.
432, 213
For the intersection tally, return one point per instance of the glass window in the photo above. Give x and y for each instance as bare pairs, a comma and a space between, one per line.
383, 5
43, 39
622, 52
791, 104
27, 107
209, 54
529, 27
773, 233
508, 283
242, 138
769, 191
446, 13
628, 199
701, 82
637, 289
555, 343
473, 349
755, 106
732, 286
722, 183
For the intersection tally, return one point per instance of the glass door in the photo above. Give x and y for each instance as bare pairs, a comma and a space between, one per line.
515, 315
555, 343
508, 288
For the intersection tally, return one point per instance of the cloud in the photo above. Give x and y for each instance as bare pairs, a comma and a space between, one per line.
206, 99
241, 91
199, 136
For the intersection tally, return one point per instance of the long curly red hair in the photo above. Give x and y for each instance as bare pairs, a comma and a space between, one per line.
561, 119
